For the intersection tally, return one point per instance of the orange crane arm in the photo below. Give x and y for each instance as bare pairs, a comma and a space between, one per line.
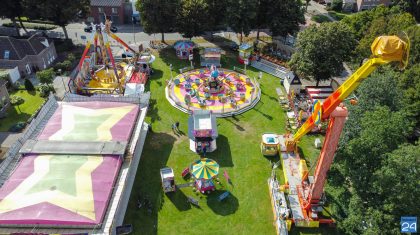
385, 49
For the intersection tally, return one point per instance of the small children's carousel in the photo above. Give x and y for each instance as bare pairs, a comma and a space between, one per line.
202, 131
203, 171
184, 49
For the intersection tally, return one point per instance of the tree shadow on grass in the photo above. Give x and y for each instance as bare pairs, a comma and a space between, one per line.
238, 127
168, 56
226, 207
269, 96
223, 154
153, 110
257, 109
157, 74
179, 199
157, 149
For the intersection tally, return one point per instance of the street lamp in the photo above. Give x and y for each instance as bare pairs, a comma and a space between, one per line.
133, 21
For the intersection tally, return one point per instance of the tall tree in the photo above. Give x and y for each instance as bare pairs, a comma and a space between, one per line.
262, 19
192, 18
383, 25
242, 15
321, 50
158, 16
62, 12
216, 17
285, 16
12, 9
410, 6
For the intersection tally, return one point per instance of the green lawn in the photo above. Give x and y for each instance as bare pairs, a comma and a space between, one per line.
338, 15
320, 18
248, 210
22, 112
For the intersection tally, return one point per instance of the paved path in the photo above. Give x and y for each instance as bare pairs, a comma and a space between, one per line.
8, 138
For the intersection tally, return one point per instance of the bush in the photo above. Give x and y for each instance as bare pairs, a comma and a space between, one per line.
45, 89
28, 85
46, 76
337, 5
17, 127
71, 57
16, 100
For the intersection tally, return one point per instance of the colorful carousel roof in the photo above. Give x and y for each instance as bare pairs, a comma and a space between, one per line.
204, 168
184, 45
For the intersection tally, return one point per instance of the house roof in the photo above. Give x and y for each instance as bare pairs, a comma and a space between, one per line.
106, 3
19, 48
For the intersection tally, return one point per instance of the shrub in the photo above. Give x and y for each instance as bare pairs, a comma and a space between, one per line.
28, 85
45, 89
71, 57
46, 76
16, 100
320, 18
66, 65
337, 5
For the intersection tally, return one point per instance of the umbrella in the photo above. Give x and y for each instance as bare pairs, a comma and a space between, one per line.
204, 169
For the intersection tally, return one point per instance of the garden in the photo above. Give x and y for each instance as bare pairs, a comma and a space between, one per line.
24, 105
248, 209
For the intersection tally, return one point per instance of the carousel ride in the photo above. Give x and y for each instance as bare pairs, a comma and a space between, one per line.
99, 72
224, 92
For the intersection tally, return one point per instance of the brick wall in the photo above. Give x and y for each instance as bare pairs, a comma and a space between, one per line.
116, 18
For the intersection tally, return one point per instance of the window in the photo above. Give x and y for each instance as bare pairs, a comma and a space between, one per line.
114, 10
28, 68
6, 54
101, 10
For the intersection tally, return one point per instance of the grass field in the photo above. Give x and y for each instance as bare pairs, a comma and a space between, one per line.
248, 210
22, 112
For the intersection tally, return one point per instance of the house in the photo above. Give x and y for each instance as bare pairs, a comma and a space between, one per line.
4, 98
114, 10
292, 83
369, 4
28, 55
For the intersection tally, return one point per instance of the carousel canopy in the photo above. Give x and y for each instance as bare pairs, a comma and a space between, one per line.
204, 168
184, 45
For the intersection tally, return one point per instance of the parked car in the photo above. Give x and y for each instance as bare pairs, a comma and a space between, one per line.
88, 29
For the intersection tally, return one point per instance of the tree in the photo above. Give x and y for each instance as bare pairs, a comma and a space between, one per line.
46, 76
158, 16
216, 16
384, 25
12, 9
285, 16
321, 50
28, 85
241, 16
192, 18
337, 5
410, 6
62, 12
409, 83
361, 21
262, 15
414, 36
